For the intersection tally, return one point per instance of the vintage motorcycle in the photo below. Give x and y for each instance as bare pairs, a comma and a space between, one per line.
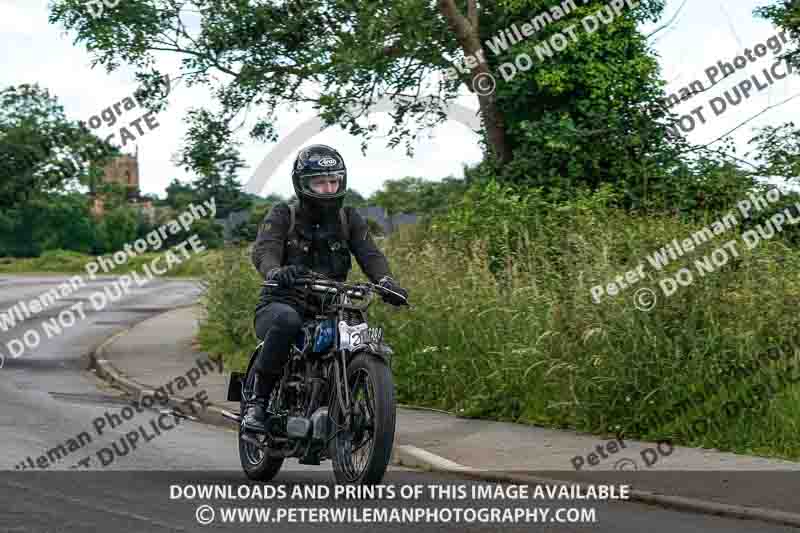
317, 415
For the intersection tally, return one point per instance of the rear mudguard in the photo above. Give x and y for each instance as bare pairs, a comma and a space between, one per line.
235, 386
237, 379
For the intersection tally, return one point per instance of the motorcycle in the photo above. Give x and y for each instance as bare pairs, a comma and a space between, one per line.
317, 413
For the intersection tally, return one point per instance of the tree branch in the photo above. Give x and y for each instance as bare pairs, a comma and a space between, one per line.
472, 14
743, 123
669, 22
465, 33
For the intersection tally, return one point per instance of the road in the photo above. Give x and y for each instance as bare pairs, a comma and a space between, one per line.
50, 399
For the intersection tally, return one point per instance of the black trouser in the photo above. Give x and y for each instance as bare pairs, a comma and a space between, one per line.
278, 324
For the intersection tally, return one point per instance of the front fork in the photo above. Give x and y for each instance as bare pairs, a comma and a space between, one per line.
342, 391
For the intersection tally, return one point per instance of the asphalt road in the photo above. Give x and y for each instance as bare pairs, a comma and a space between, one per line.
51, 401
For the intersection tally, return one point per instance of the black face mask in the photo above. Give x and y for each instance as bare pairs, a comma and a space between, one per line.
321, 210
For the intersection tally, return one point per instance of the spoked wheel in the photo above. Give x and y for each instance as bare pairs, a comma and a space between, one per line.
256, 463
361, 453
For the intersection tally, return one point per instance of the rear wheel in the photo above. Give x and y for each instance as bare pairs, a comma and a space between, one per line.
256, 463
361, 453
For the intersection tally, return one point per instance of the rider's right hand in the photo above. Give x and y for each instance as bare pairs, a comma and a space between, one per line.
285, 276
400, 297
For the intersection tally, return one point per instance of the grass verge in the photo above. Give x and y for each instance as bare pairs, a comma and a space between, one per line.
504, 327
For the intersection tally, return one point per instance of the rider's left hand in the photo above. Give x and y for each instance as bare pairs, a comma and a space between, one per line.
388, 283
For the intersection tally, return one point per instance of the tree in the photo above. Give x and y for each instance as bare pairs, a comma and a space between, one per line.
40, 150
256, 200
588, 114
179, 194
439, 196
215, 162
249, 230
417, 195
779, 148
342, 57
273, 199
47, 222
117, 227
399, 196
354, 199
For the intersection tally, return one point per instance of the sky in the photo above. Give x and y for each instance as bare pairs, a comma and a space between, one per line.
703, 33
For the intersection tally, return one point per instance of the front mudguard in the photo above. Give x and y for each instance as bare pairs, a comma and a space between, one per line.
380, 350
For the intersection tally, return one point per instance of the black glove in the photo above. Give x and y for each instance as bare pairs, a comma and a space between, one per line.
286, 276
388, 283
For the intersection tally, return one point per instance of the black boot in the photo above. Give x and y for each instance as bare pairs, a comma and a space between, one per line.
256, 416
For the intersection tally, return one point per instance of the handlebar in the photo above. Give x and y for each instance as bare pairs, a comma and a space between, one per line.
329, 286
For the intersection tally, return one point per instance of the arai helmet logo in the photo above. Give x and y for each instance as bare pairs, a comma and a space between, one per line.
327, 162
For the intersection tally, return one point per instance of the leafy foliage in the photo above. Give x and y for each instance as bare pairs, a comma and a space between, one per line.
417, 195
586, 117
40, 150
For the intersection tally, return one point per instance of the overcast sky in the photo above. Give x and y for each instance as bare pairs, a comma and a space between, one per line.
705, 32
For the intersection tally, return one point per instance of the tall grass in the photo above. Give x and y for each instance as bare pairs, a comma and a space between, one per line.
232, 290
504, 327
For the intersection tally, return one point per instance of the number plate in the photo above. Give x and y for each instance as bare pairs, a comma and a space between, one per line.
372, 335
351, 337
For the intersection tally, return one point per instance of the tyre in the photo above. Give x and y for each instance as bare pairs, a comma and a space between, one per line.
361, 455
256, 463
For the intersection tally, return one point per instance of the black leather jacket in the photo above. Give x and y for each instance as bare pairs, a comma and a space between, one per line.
318, 243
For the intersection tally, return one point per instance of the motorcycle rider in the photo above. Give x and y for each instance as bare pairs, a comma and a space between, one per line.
321, 240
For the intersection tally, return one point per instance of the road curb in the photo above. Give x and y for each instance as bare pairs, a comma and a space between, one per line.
106, 370
411, 456
418, 458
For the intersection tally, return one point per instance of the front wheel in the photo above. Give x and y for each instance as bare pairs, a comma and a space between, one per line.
361, 453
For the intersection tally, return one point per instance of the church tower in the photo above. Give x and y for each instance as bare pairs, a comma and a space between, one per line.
124, 170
